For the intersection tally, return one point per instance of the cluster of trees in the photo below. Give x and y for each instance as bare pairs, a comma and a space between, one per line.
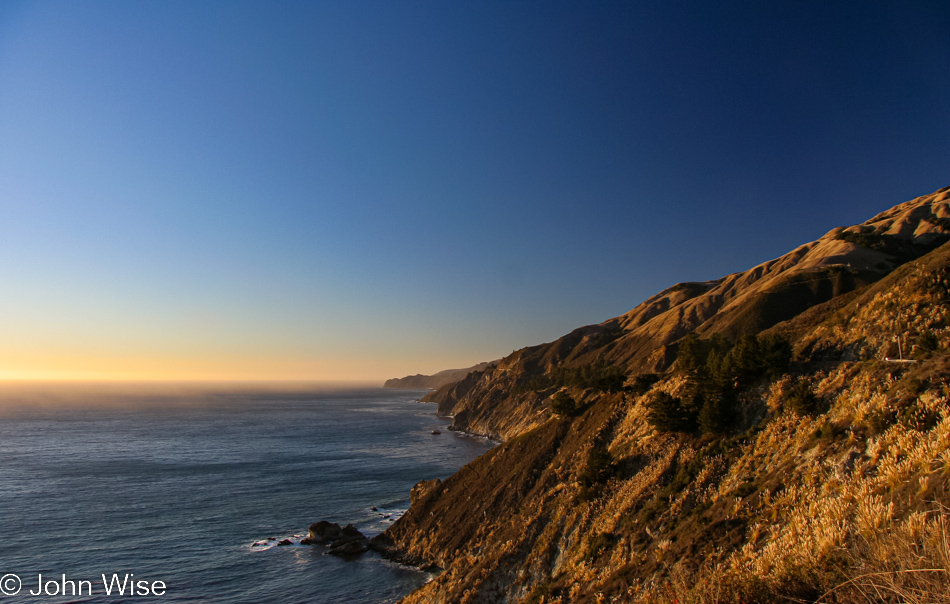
598, 375
717, 371
742, 363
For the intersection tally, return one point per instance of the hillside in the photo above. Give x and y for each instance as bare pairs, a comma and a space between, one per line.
776, 456
645, 339
449, 376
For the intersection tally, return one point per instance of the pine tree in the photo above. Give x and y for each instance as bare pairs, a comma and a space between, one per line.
667, 413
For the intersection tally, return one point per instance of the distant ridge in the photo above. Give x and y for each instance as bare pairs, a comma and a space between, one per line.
442, 378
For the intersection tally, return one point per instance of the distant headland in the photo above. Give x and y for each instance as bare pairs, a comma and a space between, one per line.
442, 378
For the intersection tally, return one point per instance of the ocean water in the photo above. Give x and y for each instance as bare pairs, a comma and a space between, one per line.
186, 488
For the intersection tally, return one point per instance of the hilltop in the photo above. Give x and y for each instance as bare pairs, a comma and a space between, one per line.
742, 439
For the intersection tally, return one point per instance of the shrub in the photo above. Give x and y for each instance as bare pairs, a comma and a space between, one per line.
562, 404
598, 375
599, 469
803, 401
921, 419
643, 383
927, 341
598, 544
599, 466
880, 420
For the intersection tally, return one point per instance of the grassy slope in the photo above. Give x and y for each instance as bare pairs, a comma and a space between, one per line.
793, 508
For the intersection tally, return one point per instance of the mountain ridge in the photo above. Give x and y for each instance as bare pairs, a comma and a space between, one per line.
645, 338
828, 480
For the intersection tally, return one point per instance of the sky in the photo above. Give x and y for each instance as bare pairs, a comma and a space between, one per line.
357, 190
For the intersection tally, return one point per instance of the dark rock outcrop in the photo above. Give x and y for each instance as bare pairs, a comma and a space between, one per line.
349, 546
423, 490
346, 541
324, 531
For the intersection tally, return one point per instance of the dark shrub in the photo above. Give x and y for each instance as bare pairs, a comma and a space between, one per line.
643, 383
562, 404
668, 414
927, 341
599, 467
803, 401
719, 413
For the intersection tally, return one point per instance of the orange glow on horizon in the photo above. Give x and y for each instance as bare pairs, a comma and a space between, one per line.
70, 368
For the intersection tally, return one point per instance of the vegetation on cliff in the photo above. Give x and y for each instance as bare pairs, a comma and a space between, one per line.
789, 463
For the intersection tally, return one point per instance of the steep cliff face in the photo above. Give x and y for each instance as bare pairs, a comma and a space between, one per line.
494, 402
793, 501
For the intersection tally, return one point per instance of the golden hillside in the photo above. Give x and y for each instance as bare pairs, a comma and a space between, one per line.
820, 476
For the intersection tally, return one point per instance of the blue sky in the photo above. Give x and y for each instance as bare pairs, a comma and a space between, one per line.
361, 190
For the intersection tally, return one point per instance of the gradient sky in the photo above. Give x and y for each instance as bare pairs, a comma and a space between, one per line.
361, 190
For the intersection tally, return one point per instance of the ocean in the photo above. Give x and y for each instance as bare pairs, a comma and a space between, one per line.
187, 492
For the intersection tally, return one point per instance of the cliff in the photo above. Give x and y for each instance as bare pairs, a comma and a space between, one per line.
449, 376
826, 481
499, 401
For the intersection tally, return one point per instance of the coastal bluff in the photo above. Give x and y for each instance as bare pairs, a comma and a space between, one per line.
449, 376
828, 476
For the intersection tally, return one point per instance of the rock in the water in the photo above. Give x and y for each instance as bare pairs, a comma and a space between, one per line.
323, 531
285, 542
349, 546
346, 541
382, 543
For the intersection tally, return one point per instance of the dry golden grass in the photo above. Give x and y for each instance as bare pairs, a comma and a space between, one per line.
855, 507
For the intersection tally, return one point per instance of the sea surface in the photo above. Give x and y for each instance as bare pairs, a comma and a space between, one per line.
187, 488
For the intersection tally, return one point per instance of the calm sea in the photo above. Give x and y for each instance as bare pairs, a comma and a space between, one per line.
179, 487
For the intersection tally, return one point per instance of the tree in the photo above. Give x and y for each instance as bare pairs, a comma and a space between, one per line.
689, 355
667, 413
562, 404
776, 354
719, 412
598, 468
747, 361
